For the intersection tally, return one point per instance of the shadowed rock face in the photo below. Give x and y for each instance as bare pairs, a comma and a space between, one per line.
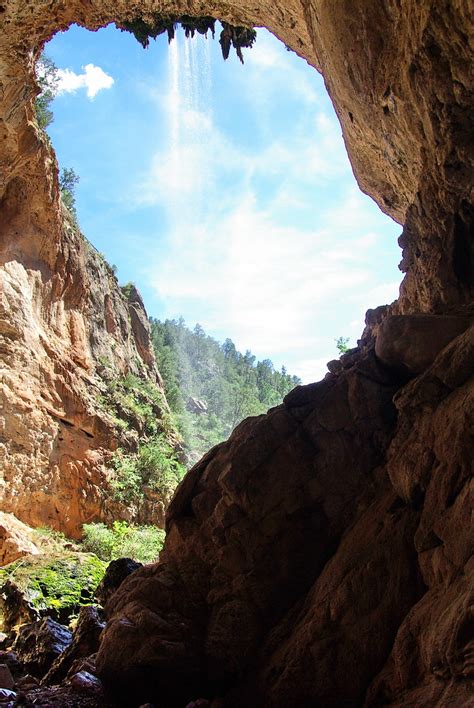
299, 551
320, 557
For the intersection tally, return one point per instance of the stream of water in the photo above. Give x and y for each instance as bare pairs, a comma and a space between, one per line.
190, 117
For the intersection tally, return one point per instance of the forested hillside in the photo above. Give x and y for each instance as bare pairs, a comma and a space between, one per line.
211, 387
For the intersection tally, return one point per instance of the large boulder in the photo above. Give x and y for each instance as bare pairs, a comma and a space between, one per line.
251, 529
115, 574
316, 541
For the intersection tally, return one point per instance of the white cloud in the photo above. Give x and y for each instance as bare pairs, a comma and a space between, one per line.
315, 369
94, 79
265, 54
271, 288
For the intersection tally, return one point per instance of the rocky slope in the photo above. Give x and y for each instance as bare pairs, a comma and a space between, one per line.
323, 555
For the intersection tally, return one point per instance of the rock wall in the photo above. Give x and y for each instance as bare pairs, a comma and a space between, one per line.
322, 555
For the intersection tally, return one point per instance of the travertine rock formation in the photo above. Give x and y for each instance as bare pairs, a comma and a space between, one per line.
321, 556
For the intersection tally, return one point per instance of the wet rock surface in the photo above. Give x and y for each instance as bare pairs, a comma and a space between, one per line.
63, 664
85, 641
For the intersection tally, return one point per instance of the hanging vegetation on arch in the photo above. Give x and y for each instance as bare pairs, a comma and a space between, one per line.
231, 36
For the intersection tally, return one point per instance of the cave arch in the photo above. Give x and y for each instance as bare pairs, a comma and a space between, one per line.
407, 150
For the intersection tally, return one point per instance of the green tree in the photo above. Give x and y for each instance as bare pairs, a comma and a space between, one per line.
48, 80
68, 182
232, 385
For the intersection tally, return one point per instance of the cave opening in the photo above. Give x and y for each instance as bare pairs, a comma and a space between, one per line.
320, 555
227, 201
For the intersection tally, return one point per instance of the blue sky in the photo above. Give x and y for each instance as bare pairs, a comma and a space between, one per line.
223, 191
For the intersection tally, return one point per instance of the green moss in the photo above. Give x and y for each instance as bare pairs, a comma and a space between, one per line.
55, 584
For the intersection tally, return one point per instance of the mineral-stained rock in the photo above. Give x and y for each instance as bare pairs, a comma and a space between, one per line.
64, 320
40, 643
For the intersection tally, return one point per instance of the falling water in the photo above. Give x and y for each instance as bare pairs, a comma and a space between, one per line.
174, 112
190, 116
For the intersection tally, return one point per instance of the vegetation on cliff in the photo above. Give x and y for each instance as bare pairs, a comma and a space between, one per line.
154, 469
142, 543
48, 80
148, 464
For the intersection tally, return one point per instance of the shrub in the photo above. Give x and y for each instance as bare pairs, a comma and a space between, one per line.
155, 466
133, 398
342, 344
127, 289
142, 543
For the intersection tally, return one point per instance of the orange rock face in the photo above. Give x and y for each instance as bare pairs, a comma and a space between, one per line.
15, 539
58, 323
320, 557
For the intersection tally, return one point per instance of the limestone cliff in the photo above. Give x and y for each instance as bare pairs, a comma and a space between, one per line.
66, 328
323, 555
